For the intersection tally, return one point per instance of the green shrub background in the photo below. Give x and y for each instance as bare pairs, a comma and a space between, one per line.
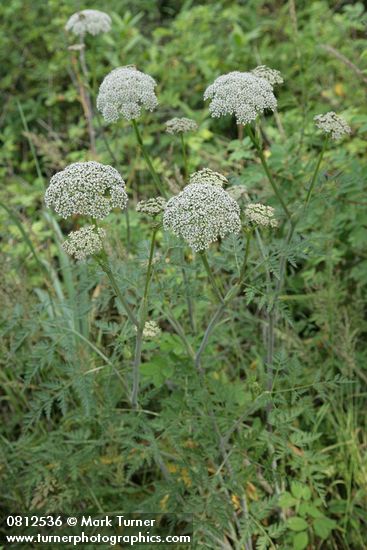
68, 439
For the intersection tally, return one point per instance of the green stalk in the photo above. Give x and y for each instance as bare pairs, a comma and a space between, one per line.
150, 266
190, 306
136, 367
141, 324
231, 294
148, 161
237, 287
315, 174
105, 265
184, 156
267, 171
209, 329
210, 274
184, 273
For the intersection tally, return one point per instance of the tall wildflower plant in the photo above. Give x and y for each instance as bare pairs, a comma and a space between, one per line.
203, 216
247, 95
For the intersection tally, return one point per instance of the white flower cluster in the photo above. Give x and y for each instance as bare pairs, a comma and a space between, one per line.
238, 192
241, 94
206, 175
271, 75
259, 214
180, 125
86, 188
85, 242
123, 92
200, 214
151, 207
333, 124
88, 21
151, 330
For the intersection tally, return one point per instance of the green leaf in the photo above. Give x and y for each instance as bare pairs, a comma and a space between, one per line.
297, 524
323, 527
307, 509
286, 500
156, 371
300, 540
300, 491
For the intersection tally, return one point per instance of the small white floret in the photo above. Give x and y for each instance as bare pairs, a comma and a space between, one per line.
151, 207
333, 124
85, 242
180, 125
271, 75
260, 214
206, 175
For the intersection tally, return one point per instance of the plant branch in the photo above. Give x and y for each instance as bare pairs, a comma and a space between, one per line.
344, 60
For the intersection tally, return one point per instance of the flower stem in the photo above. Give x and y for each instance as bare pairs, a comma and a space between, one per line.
105, 265
136, 368
210, 274
209, 329
184, 273
276, 190
190, 306
315, 174
84, 94
140, 326
224, 302
148, 161
184, 156
245, 259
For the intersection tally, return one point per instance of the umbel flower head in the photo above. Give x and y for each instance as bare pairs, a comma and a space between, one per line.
85, 242
88, 21
180, 125
123, 93
151, 330
259, 214
86, 188
200, 214
244, 95
206, 175
332, 124
151, 207
271, 75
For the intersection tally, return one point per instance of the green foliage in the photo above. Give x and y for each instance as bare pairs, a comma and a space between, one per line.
263, 458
